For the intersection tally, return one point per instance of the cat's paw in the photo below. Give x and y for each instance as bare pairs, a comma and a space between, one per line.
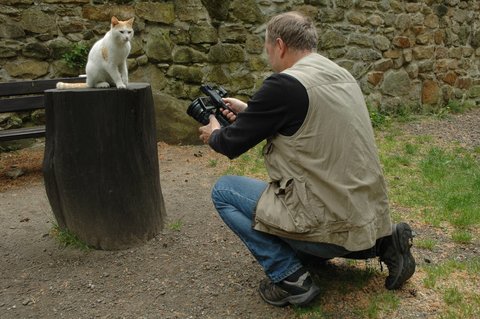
102, 85
121, 86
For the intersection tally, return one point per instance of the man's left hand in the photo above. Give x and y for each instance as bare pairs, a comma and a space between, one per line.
206, 131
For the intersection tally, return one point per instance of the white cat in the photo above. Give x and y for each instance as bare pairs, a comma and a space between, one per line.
107, 59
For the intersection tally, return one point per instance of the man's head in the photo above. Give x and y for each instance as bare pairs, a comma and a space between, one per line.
289, 36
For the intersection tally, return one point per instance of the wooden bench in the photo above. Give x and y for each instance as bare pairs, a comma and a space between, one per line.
26, 96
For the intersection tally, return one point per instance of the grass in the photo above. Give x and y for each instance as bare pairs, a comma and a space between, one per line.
427, 243
249, 164
459, 297
176, 225
68, 239
443, 183
437, 184
381, 303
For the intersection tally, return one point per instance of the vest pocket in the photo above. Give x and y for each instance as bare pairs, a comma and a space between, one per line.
303, 213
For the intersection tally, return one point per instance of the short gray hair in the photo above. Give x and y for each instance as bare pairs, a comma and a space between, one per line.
295, 29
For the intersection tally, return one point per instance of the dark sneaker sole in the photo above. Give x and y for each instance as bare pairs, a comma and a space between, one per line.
402, 236
297, 300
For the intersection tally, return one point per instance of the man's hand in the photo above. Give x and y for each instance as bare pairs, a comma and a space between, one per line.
206, 131
235, 105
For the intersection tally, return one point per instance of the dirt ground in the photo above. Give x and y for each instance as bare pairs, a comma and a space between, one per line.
195, 268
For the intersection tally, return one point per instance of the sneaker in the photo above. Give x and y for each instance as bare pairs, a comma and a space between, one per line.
298, 293
397, 256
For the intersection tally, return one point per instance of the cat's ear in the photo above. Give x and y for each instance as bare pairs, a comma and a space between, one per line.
114, 21
130, 22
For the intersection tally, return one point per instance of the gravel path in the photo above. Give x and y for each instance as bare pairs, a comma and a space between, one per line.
200, 270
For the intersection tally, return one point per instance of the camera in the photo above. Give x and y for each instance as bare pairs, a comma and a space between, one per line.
201, 108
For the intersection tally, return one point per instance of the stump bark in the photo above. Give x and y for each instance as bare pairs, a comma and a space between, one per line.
101, 167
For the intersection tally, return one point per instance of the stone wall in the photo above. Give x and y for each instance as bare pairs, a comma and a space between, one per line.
404, 54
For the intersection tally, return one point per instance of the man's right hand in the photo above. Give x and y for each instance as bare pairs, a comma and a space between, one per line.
236, 105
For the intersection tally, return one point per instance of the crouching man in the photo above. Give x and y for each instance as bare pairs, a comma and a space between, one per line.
326, 196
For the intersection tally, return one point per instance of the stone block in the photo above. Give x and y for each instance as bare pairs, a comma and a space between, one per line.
441, 52
247, 11
407, 55
363, 54
188, 55
105, 12
463, 83
474, 91
36, 50
158, 45
431, 92
189, 74
403, 22
28, 69
37, 21
450, 78
392, 54
6, 52
431, 21
375, 20
423, 52
11, 30
254, 44
412, 70
383, 65
71, 25
360, 39
172, 122
203, 33
232, 33
225, 53
149, 74
357, 17
374, 77
332, 39
396, 83
193, 11
381, 42
156, 11
423, 38
401, 42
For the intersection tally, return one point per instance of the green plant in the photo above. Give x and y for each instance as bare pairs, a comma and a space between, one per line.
68, 239
452, 296
425, 243
445, 269
462, 236
176, 225
386, 301
213, 163
443, 183
76, 57
249, 164
411, 149
378, 118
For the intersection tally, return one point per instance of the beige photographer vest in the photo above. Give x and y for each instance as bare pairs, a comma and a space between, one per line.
326, 183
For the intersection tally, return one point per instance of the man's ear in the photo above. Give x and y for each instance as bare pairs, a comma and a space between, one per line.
281, 46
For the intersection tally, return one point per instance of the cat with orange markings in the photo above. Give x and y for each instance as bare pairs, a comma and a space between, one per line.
107, 59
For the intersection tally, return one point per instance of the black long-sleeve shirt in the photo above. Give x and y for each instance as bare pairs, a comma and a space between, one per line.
279, 107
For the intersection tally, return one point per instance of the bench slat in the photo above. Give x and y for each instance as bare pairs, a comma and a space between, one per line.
15, 134
26, 95
33, 86
21, 104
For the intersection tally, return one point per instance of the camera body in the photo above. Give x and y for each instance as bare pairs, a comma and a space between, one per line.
201, 108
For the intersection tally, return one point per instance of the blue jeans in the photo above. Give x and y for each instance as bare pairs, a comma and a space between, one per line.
235, 198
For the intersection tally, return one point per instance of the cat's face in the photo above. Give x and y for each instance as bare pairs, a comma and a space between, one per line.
122, 30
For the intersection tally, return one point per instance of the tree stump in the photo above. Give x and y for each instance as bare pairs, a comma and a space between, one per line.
101, 166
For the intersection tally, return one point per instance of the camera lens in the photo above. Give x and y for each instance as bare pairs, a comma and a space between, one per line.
197, 111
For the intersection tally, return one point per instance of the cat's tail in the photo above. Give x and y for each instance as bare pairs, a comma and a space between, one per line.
63, 85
